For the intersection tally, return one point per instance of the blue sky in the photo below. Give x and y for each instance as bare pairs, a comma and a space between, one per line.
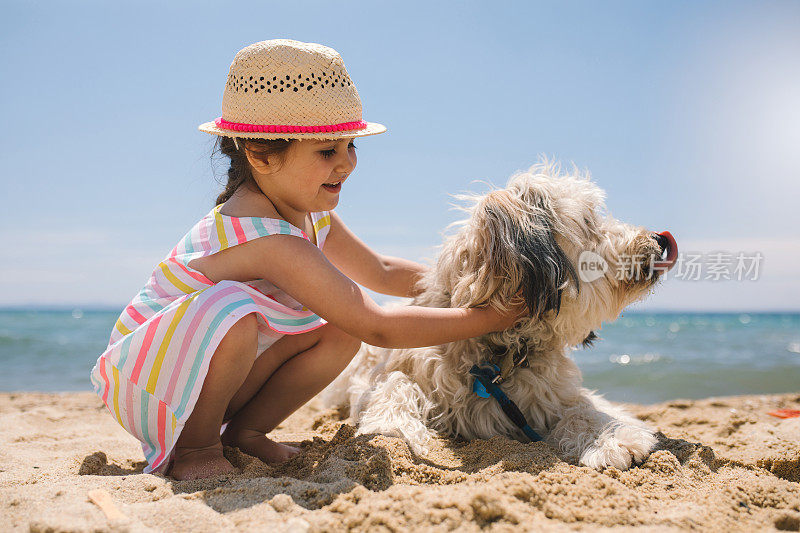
686, 113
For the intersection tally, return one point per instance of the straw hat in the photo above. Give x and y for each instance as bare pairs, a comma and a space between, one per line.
285, 89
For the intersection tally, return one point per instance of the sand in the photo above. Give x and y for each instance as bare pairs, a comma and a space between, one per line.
722, 464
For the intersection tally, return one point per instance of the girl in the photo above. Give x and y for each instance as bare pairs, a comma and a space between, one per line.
217, 349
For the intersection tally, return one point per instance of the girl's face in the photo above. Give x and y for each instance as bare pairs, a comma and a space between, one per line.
308, 166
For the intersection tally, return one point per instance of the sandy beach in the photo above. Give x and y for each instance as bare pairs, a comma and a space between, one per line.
723, 464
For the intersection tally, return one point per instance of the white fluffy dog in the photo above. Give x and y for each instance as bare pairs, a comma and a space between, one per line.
533, 235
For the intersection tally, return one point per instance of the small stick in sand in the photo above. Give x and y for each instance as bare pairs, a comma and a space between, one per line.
102, 499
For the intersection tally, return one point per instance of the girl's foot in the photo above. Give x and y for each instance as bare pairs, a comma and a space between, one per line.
197, 463
257, 444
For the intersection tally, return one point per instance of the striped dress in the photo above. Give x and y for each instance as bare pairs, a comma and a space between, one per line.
152, 371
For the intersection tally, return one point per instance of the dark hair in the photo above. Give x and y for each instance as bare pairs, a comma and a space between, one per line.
239, 172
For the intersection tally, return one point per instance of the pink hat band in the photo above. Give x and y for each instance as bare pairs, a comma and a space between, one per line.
278, 128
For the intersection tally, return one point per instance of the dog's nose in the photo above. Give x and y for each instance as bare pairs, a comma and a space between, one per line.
669, 247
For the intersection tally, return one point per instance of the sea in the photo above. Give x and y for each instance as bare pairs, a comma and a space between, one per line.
643, 357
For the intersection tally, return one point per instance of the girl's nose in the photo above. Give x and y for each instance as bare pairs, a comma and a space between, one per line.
347, 162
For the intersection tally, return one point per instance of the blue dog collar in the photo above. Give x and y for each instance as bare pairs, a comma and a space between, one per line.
485, 385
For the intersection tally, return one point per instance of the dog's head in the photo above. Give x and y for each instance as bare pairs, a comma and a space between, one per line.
548, 234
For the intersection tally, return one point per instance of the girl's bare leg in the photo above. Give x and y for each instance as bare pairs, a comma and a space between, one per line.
198, 452
285, 377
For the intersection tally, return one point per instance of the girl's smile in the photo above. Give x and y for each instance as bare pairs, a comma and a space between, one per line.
334, 188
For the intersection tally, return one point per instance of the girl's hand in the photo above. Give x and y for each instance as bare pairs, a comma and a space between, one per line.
504, 321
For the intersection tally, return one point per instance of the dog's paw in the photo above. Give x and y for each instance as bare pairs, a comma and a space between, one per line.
619, 447
417, 441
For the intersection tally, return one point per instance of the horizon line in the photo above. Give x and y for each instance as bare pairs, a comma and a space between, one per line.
120, 308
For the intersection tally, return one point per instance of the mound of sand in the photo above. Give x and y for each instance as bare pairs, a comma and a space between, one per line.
722, 464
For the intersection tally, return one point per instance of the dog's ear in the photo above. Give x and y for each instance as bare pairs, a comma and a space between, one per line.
523, 248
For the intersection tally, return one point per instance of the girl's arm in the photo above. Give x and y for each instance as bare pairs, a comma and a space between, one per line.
402, 276
302, 270
381, 273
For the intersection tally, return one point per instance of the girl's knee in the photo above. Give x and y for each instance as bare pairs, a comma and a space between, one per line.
246, 326
242, 337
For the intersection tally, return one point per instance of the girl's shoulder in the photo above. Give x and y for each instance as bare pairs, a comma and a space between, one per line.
246, 208
228, 230
223, 233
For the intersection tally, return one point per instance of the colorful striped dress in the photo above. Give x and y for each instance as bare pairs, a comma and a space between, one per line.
156, 361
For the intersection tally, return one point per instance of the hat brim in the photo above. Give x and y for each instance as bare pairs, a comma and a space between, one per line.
373, 128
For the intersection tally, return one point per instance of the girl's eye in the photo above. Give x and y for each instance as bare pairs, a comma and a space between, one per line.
330, 153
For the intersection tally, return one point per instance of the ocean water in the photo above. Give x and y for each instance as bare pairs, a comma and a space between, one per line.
642, 357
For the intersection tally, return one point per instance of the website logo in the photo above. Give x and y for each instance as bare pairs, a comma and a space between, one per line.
591, 266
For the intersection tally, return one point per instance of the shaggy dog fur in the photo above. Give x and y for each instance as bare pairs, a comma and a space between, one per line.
530, 236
